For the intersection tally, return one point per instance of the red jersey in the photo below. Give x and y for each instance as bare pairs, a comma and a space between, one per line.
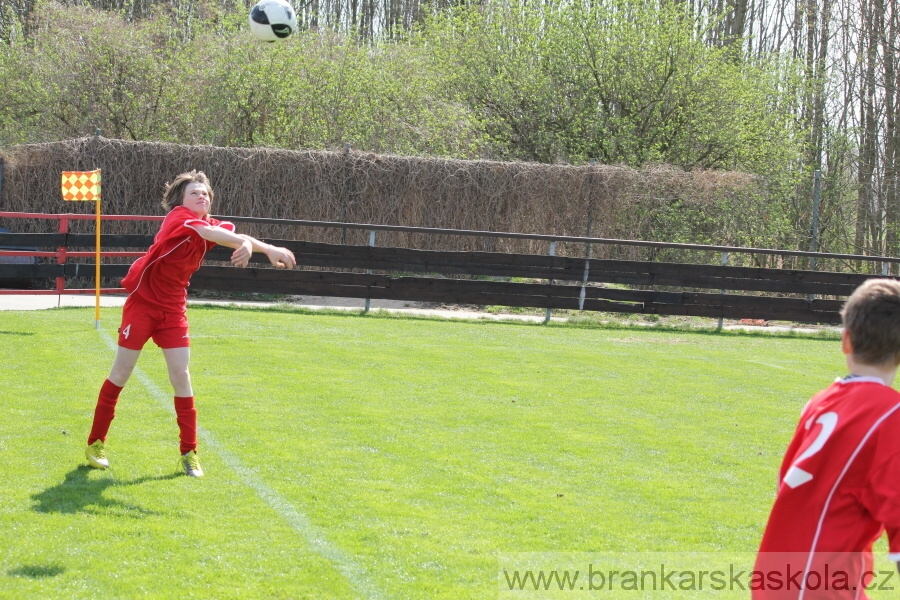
839, 489
161, 277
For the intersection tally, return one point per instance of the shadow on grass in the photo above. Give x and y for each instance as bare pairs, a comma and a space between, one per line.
22, 333
78, 493
37, 571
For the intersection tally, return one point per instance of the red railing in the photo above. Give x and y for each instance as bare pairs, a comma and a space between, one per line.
62, 252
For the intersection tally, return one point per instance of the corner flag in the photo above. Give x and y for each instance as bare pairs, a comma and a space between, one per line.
81, 185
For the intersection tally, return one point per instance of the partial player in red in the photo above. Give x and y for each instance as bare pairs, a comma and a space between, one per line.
157, 302
839, 485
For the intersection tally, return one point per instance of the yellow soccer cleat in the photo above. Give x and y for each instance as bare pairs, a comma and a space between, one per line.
96, 455
191, 464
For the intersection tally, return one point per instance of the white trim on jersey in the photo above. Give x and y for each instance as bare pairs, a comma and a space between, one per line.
860, 379
894, 556
226, 225
837, 482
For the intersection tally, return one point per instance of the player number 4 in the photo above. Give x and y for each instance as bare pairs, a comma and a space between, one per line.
796, 476
126, 331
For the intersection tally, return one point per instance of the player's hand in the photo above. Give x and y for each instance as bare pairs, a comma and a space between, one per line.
282, 258
241, 256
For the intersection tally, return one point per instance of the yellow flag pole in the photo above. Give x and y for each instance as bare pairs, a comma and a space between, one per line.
97, 272
86, 185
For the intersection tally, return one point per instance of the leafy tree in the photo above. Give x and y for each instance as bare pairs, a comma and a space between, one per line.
619, 82
84, 70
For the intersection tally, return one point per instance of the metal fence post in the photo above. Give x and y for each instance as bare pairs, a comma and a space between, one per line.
724, 264
587, 270
550, 282
369, 271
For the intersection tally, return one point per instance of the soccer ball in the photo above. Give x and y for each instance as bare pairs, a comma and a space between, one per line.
272, 20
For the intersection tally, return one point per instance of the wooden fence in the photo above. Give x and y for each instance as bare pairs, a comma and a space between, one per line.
488, 278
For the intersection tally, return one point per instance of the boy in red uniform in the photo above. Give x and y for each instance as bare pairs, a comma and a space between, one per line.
839, 485
156, 306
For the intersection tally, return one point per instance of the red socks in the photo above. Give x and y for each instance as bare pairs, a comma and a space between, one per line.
105, 411
186, 415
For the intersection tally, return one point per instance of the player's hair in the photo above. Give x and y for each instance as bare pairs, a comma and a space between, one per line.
174, 194
872, 319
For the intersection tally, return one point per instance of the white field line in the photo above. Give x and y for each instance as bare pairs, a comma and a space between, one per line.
314, 536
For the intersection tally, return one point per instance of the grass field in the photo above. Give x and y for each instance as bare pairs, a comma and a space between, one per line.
367, 457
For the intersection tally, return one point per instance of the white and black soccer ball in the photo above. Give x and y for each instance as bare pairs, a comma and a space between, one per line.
272, 20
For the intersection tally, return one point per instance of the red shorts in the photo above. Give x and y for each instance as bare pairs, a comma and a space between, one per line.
142, 321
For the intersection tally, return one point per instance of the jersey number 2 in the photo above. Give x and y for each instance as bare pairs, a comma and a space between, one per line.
796, 476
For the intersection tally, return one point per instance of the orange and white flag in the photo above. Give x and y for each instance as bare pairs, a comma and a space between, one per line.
81, 185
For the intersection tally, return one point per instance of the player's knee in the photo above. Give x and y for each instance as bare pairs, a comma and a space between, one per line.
121, 373
180, 377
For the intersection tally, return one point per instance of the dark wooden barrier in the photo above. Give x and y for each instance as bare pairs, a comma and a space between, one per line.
520, 280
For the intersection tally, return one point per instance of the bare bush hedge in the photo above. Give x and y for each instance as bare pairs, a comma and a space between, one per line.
356, 187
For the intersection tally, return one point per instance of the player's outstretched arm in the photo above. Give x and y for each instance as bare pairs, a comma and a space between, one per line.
282, 258
245, 245
243, 248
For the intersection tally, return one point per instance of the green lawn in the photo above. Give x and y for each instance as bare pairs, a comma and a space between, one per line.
366, 457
